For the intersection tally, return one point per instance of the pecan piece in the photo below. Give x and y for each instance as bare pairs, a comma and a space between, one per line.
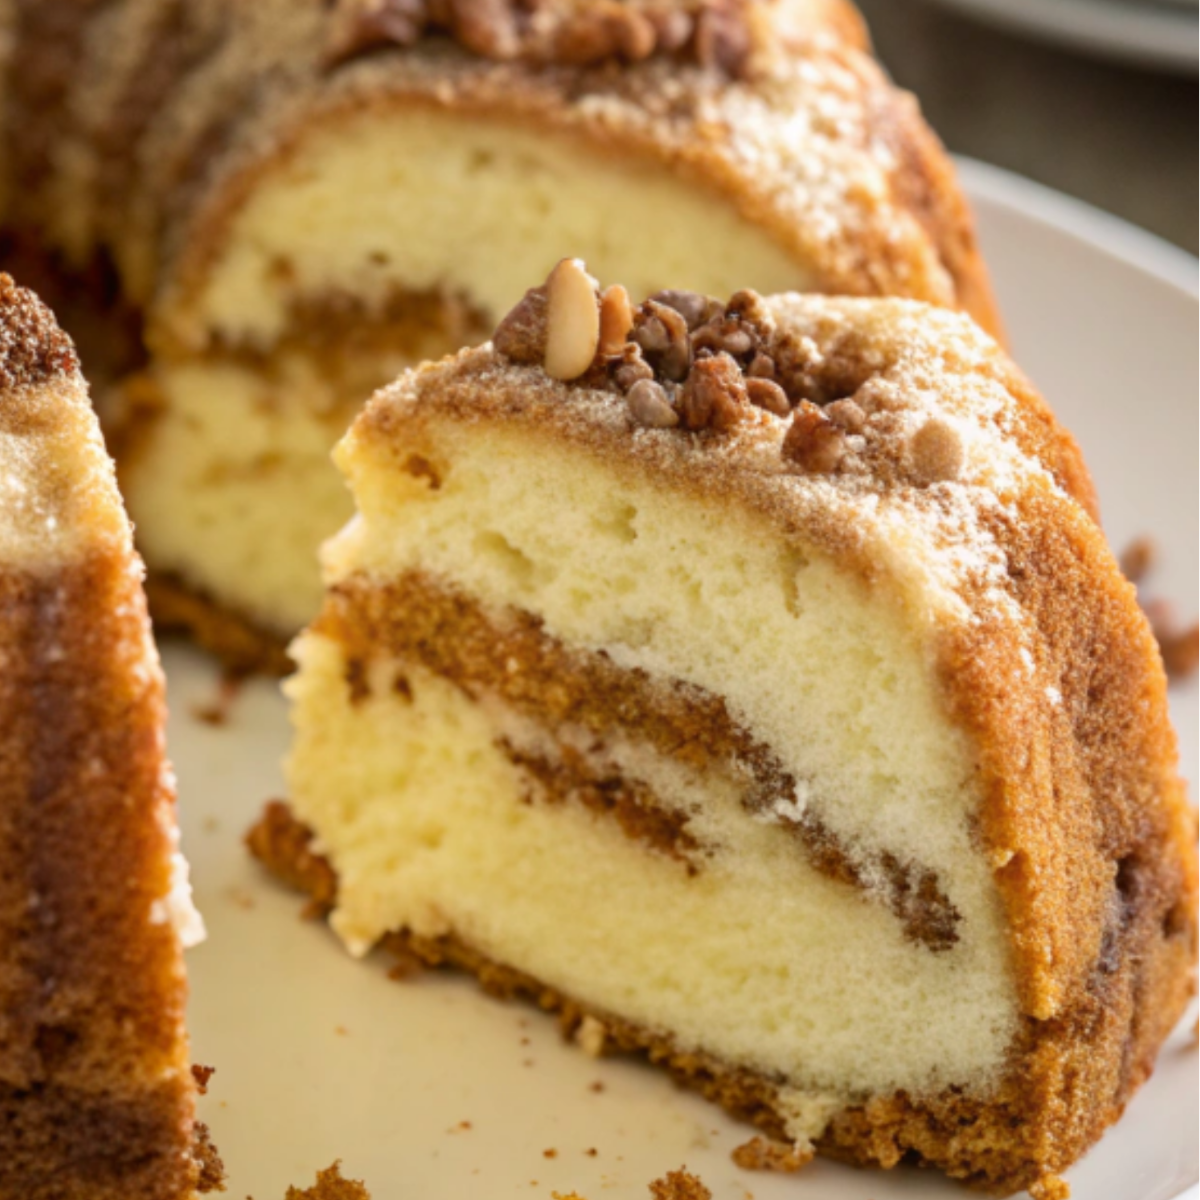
359, 26
649, 405
521, 336
727, 335
847, 414
813, 442
632, 367
768, 395
694, 307
663, 336
714, 396
485, 27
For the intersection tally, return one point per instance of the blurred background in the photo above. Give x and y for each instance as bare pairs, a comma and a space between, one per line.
1097, 98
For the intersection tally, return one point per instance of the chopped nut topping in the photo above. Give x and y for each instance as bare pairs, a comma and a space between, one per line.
649, 405
847, 414
763, 1154
360, 26
521, 336
485, 27
662, 334
814, 443
767, 394
727, 335
936, 452
616, 320
572, 320
714, 396
762, 366
632, 367
748, 306
694, 307
723, 35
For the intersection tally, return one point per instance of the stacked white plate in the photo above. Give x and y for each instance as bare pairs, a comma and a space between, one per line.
1160, 33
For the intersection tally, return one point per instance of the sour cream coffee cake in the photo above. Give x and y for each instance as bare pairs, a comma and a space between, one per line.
751, 683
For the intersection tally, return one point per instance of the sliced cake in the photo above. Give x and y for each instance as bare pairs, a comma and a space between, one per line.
97, 1095
287, 201
750, 682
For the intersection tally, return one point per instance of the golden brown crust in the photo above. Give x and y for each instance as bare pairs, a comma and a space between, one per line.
95, 1091
1001, 1143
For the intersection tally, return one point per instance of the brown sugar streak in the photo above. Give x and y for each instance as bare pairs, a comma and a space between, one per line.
417, 617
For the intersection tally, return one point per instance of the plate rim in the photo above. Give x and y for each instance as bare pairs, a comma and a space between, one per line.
1082, 222
1149, 35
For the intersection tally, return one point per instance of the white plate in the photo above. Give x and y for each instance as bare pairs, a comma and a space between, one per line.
320, 1057
1139, 31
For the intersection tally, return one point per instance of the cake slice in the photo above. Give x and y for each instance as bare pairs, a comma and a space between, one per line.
751, 683
97, 1094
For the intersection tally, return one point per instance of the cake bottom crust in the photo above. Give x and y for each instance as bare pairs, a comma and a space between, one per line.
983, 1142
243, 647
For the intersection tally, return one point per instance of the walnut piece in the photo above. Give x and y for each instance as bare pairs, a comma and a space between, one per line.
649, 405
714, 395
768, 395
572, 320
813, 442
521, 336
847, 414
360, 26
662, 333
936, 452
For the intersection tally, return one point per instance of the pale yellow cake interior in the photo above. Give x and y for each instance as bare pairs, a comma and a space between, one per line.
231, 487
757, 959
427, 200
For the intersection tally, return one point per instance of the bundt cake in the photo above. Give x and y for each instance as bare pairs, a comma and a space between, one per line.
750, 682
279, 204
97, 1094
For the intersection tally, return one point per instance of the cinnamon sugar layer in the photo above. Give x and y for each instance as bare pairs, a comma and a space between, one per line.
420, 618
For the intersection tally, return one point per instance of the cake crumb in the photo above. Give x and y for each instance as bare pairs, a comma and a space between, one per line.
591, 1036
765, 1154
682, 1185
217, 711
211, 1169
461, 1127
550, 1152
591, 1152
331, 1185
341, 1031
202, 1075
597, 1085
1051, 1187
